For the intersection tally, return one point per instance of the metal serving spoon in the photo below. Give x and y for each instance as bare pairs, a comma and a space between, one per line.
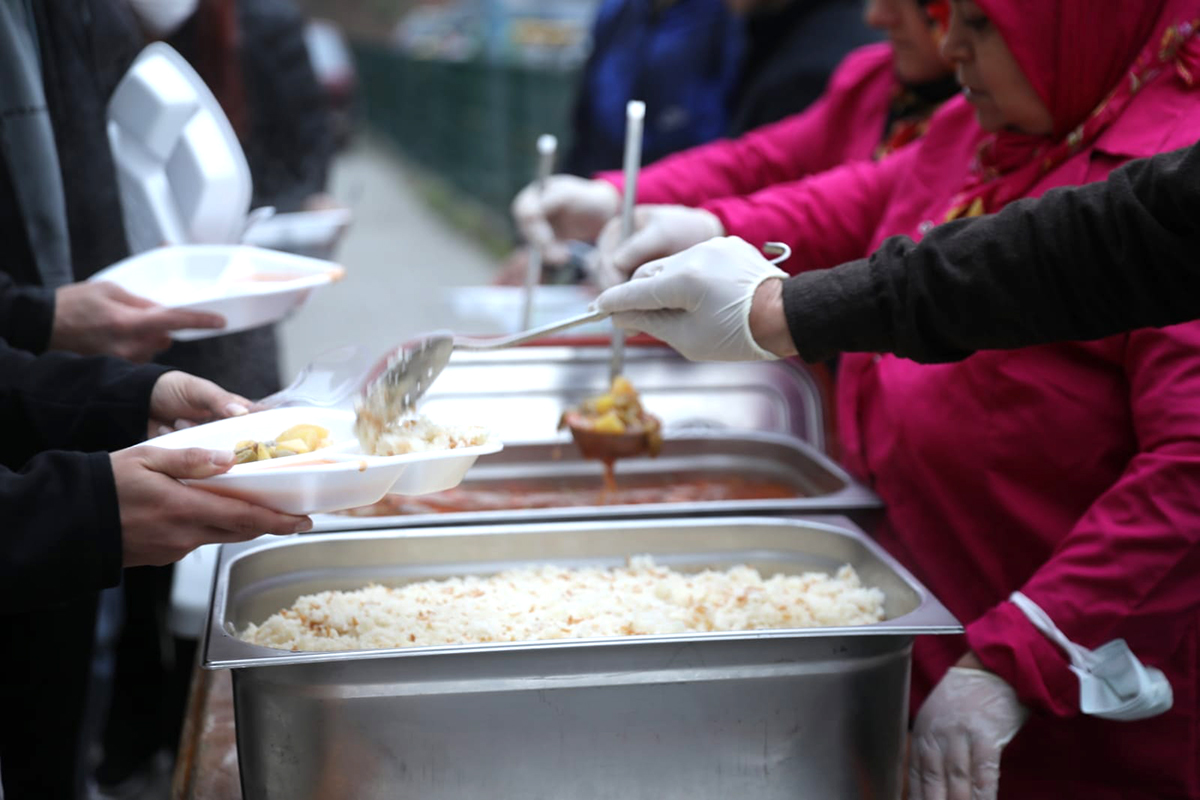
399, 379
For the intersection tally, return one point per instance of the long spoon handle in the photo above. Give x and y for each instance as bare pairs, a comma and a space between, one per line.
464, 343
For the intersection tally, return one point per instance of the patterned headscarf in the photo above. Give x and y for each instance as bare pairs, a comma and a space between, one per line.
1086, 72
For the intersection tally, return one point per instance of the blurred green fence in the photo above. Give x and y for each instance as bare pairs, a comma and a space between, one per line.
474, 124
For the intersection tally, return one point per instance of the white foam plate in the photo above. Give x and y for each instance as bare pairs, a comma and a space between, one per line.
331, 479
182, 174
249, 286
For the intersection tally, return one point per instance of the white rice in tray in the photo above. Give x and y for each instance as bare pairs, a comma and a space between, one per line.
415, 434
548, 602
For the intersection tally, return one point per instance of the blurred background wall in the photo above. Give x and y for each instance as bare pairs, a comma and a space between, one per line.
463, 87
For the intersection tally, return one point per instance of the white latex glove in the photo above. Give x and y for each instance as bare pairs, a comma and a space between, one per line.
697, 301
959, 734
565, 207
658, 232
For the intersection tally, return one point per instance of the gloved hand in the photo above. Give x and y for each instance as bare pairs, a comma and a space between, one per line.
698, 301
566, 207
959, 734
659, 231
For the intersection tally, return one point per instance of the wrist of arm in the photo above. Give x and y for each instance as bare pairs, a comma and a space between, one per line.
768, 324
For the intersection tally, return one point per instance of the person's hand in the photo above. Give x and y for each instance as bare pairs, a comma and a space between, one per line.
700, 301
101, 318
658, 232
180, 400
565, 207
162, 520
959, 734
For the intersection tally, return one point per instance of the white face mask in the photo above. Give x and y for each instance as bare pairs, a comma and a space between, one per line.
1113, 683
163, 17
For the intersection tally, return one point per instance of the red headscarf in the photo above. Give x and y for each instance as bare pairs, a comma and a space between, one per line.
1086, 60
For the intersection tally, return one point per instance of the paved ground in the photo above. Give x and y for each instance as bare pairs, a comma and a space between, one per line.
398, 256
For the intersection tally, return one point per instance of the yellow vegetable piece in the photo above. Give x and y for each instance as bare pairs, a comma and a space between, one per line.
312, 435
295, 445
604, 403
608, 423
621, 385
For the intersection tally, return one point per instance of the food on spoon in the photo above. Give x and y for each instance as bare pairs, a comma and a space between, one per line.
413, 434
294, 441
617, 413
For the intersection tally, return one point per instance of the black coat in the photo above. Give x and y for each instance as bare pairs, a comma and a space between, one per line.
1079, 263
85, 47
60, 533
60, 542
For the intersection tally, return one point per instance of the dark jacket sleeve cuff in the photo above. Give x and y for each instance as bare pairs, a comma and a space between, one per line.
834, 311
107, 549
27, 316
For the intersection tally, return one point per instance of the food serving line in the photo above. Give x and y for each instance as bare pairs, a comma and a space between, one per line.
818, 712
741, 479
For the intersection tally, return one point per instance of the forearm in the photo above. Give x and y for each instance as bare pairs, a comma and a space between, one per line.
768, 323
61, 401
62, 531
1078, 263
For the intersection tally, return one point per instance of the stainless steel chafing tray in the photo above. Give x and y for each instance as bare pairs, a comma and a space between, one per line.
520, 393
820, 486
760, 715
762, 419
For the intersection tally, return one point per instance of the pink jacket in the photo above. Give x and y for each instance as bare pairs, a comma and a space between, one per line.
844, 125
835, 216
1069, 472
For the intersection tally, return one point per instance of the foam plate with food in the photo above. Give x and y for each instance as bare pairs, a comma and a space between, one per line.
249, 286
285, 462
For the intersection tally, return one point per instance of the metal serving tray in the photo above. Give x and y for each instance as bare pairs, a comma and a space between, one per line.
521, 392
822, 487
759, 715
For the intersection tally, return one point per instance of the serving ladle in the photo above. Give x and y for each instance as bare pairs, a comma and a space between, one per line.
608, 447
397, 380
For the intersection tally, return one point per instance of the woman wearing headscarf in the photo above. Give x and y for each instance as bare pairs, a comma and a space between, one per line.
1046, 495
880, 98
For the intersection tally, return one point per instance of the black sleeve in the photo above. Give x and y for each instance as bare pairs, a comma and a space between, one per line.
1079, 263
61, 531
26, 314
60, 401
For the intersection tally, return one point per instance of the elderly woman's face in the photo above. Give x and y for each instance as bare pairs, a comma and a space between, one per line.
911, 35
1003, 97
